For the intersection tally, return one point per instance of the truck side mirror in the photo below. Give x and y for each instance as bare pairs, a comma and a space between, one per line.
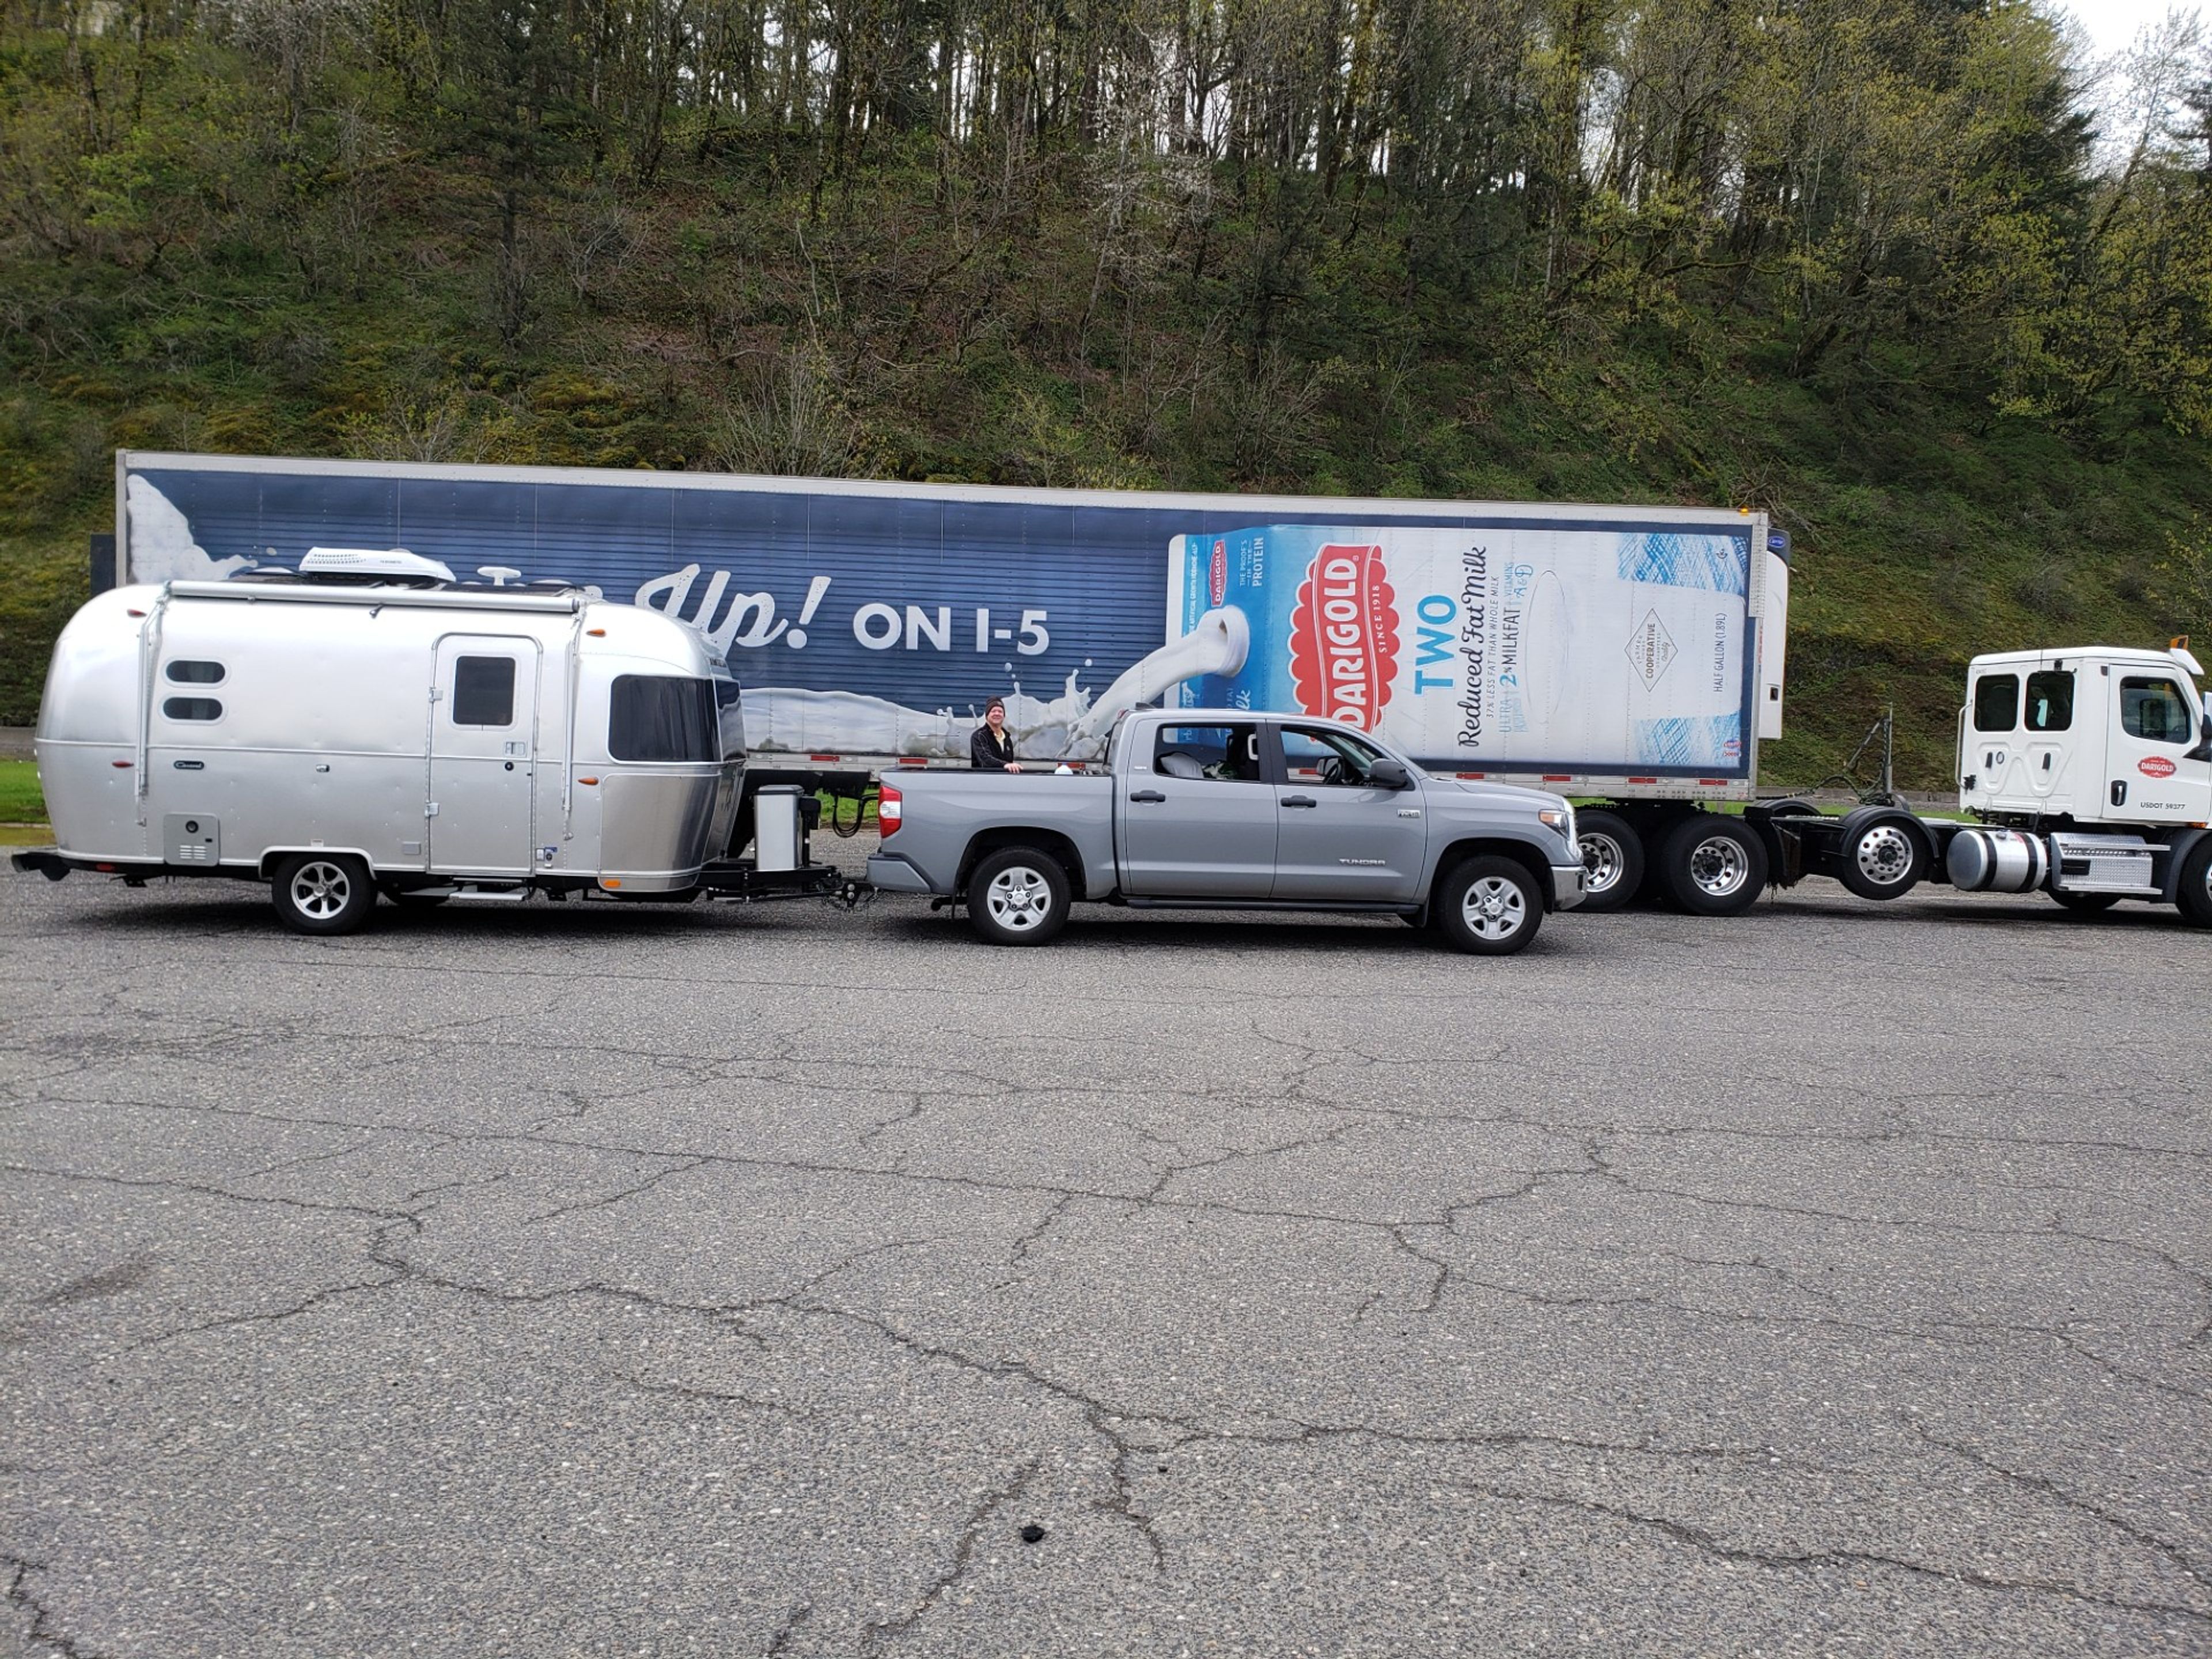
2204, 750
1387, 773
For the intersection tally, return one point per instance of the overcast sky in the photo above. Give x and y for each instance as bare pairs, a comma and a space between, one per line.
2113, 24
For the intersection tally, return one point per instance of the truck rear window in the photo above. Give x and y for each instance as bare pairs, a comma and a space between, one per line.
2051, 699
662, 717
1997, 703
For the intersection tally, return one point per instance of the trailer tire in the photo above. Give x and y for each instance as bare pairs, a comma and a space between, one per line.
1488, 905
2194, 891
1018, 896
1714, 866
1883, 857
322, 893
1613, 861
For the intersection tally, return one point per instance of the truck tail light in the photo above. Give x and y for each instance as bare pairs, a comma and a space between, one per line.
890, 808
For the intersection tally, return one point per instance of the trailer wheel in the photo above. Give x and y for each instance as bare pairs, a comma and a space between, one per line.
2194, 894
1613, 861
1018, 896
1883, 859
322, 893
1488, 906
1714, 866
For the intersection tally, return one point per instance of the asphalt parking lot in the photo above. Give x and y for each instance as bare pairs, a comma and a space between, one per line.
552, 1281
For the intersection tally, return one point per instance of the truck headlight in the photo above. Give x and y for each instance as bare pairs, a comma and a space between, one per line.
1561, 818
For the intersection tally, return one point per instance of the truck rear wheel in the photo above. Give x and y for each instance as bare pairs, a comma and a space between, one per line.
1714, 866
1018, 896
1613, 861
1883, 859
322, 893
1488, 906
2194, 894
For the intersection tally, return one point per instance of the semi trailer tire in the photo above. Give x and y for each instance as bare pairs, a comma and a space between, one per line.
2194, 894
1883, 857
1018, 896
1714, 866
322, 893
1487, 906
1613, 861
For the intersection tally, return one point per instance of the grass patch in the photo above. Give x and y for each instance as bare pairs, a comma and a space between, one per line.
21, 802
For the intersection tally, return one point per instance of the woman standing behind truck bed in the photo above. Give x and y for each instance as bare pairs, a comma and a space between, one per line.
992, 748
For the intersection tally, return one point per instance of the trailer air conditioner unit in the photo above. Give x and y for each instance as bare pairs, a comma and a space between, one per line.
366, 567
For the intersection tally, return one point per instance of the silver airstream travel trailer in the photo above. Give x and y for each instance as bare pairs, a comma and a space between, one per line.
365, 727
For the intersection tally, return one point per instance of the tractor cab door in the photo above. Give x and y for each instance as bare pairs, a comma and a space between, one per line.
2152, 723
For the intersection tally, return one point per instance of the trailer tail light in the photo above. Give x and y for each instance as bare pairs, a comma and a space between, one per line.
890, 809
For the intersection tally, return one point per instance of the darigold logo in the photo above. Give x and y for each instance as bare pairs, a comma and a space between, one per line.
2154, 766
1216, 576
1343, 636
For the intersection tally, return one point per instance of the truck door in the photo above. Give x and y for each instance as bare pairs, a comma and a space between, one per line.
2149, 777
483, 720
2051, 762
1198, 815
1337, 836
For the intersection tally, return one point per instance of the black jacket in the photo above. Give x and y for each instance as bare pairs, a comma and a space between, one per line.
989, 753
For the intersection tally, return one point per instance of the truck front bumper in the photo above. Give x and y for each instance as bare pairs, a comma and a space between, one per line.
890, 874
1566, 886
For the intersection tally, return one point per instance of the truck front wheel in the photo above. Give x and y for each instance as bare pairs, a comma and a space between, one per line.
1488, 906
1613, 861
2194, 894
1713, 867
1018, 896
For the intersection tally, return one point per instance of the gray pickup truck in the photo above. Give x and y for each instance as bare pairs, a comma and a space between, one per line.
1223, 809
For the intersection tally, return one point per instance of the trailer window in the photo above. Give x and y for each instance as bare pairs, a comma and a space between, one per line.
192, 709
659, 717
730, 719
2051, 699
483, 690
2154, 711
1997, 703
195, 673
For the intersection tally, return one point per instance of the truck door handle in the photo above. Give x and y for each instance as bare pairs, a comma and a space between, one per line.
1148, 796
1300, 801
2119, 792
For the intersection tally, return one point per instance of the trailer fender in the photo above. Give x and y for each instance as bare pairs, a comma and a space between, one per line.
275, 855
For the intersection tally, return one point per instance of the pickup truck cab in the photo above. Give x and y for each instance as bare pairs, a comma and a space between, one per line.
1225, 809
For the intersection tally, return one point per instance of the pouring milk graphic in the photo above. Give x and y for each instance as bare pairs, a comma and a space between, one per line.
1499, 645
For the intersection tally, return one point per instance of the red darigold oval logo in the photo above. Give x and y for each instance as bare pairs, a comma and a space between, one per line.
2154, 766
1216, 575
1343, 636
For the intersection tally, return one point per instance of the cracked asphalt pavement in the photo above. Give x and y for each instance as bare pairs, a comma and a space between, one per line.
591, 1280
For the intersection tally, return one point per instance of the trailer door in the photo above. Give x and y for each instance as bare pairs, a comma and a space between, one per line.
483, 745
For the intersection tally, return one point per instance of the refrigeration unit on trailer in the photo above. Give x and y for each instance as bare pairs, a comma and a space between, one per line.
2087, 772
1628, 656
361, 727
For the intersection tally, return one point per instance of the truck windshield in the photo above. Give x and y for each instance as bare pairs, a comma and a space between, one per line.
663, 717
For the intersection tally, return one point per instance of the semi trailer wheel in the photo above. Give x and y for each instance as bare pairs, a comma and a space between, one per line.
1613, 861
1883, 859
322, 893
1018, 896
2194, 894
1714, 866
1488, 906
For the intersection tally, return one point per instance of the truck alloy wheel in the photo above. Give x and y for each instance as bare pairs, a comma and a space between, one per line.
1613, 861
1488, 906
1018, 896
1883, 860
322, 893
1713, 867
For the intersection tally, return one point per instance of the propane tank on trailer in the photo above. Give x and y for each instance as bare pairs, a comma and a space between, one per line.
777, 827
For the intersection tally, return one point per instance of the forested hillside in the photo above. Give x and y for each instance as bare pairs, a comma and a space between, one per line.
1895, 269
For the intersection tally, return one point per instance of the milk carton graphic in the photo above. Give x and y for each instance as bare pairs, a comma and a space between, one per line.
1557, 649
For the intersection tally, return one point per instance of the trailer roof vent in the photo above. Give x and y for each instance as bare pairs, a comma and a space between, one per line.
374, 566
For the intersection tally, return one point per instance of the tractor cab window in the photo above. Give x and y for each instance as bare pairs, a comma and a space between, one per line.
2154, 710
1997, 703
2051, 699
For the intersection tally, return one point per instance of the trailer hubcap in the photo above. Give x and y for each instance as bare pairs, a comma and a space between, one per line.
1018, 899
1718, 867
1603, 862
320, 890
1494, 909
1884, 854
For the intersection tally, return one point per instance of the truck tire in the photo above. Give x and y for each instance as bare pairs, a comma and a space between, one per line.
322, 893
1883, 857
1613, 861
2086, 904
2194, 893
1488, 905
1713, 866
1018, 896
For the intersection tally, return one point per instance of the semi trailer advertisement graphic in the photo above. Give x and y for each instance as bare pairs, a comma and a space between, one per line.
869, 620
